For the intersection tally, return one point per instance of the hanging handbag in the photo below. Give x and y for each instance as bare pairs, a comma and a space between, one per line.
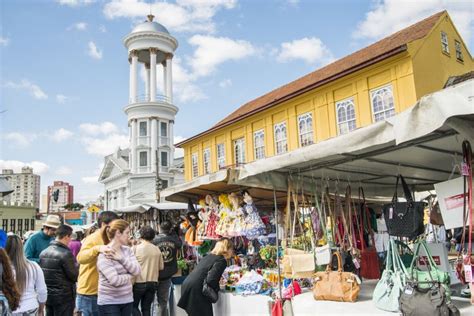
423, 278
390, 286
431, 301
337, 285
369, 263
404, 219
277, 308
323, 253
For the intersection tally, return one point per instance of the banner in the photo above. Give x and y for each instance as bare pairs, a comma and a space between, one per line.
451, 198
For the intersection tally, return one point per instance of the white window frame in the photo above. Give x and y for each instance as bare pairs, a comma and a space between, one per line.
281, 143
239, 151
206, 159
305, 128
161, 130
195, 165
259, 144
345, 124
139, 129
167, 159
387, 110
444, 42
220, 149
140, 159
458, 48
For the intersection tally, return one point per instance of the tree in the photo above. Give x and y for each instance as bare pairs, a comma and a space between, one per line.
73, 207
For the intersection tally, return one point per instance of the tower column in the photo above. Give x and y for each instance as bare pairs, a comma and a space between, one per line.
169, 78
171, 143
133, 76
152, 74
147, 82
154, 134
133, 151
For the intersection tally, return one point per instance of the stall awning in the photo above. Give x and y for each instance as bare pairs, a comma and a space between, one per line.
423, 143
142, 208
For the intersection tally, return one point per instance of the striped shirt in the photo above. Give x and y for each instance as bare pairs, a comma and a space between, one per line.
115, 278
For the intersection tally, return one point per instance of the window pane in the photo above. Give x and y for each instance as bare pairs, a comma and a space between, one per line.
143, 159
305, 124
207, 160
164, 159
259, 144
164, 129
346, 120
143, 129
239, 151
164, 184
382, 103
220, 156
280, 138
194, 160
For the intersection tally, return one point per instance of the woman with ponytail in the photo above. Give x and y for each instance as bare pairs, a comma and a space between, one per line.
116, 271
9, 294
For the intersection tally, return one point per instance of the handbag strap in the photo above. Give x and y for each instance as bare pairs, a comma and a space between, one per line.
368, 215
467, 198
330, 215
348, 223
288, 212
335, 219
339, 262
322, 219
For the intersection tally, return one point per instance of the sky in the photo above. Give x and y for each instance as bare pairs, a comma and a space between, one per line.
64, 71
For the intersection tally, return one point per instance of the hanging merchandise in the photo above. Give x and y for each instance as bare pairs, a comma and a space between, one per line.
370, 268
253, 225
250, 283
226, 218
404, 219
423, 278
277, 308
212, 218
203, 215
390, 286
336, 285
323, 253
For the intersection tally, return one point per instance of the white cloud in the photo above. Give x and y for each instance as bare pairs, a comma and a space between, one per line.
21, 140
178, 152
63, 171
102, 29
225, 83
79, 26
311, 50
93, 51
104, 128
388, 16
61, 98
105, 146
4, 41
28, 86
38, 166
212, 51
61, 135
92, 179
184, 15
75, 3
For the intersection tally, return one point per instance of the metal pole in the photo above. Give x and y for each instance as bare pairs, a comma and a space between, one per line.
277, 241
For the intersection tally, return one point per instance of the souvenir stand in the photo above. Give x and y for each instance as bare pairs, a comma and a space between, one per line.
423, 143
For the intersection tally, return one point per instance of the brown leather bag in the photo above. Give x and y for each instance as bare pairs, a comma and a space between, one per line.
337, 285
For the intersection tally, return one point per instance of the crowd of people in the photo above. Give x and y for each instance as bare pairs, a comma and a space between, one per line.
107, 273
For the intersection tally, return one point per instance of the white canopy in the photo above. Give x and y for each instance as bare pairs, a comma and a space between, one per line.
423, 143
142, 208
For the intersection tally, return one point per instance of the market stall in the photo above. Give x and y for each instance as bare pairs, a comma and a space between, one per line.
342, 182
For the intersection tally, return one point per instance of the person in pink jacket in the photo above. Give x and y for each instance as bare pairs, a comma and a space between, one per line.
116, 271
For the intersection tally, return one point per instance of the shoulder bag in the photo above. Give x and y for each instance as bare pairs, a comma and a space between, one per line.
369, 263
337, 285
404, 219
211, 294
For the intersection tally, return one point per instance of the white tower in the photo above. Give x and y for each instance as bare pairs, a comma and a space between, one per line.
150, 115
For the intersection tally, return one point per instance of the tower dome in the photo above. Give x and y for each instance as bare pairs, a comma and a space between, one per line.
150, 26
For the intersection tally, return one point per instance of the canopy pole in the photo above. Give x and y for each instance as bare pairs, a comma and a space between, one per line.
277, 241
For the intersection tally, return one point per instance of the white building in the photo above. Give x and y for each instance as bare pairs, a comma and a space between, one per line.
129, 175
26, 186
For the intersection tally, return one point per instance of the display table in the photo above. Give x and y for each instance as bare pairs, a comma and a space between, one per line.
231, 304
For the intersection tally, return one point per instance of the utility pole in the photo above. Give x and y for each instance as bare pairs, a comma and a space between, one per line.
158, 183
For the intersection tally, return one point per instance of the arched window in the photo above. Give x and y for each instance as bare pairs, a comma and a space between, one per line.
346, 120
239, 151
194, 162
259, 144
305, 126
383, 106
281, 144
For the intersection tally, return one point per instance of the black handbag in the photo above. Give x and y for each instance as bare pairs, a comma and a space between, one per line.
209, 292
404, 219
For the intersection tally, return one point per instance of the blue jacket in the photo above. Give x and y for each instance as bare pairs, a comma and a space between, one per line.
36, 244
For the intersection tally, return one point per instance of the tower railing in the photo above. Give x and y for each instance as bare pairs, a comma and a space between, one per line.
145, 97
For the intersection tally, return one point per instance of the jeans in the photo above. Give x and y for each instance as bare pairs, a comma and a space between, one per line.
143, 295
87, 305
63, 309
116, 310
163, 295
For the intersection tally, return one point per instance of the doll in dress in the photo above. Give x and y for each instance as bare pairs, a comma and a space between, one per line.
212, 219
225, 216
237, 225
253, 226
203, 216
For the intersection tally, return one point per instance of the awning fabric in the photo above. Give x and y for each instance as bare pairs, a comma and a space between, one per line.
423, 143
142, 208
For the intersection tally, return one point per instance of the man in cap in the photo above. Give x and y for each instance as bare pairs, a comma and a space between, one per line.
40, 241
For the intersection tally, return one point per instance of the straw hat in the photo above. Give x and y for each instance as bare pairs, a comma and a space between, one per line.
52, 221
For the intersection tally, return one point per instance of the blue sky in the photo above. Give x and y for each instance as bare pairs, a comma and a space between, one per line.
64, 70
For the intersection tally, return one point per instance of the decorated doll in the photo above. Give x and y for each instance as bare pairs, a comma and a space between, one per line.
212, 218
203, 217
225, 216
253, 226
237, 225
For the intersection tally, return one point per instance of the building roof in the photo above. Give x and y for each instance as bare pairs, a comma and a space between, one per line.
383, 49
150, 26
454, 80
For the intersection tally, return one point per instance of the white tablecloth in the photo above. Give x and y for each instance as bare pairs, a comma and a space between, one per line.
253, 305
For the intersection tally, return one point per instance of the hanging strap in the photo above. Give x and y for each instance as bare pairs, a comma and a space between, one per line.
467, 205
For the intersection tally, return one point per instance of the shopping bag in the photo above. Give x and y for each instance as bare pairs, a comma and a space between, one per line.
390, 286
336, 285
450, 198
277, 308
404, 219
302, 265
323, 255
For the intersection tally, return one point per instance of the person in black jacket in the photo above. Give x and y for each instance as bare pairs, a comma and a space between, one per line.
169, 244
60, 273
210, 268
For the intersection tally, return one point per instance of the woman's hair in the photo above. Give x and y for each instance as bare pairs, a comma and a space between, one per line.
22, 266
223, 247
109, 232
10, 289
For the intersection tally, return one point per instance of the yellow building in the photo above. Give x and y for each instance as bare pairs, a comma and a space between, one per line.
367, 86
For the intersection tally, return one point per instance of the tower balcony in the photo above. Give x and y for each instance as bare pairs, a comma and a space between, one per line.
146, 97
143, 107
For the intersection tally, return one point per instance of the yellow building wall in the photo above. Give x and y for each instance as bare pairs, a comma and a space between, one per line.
433, 67
397, 71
